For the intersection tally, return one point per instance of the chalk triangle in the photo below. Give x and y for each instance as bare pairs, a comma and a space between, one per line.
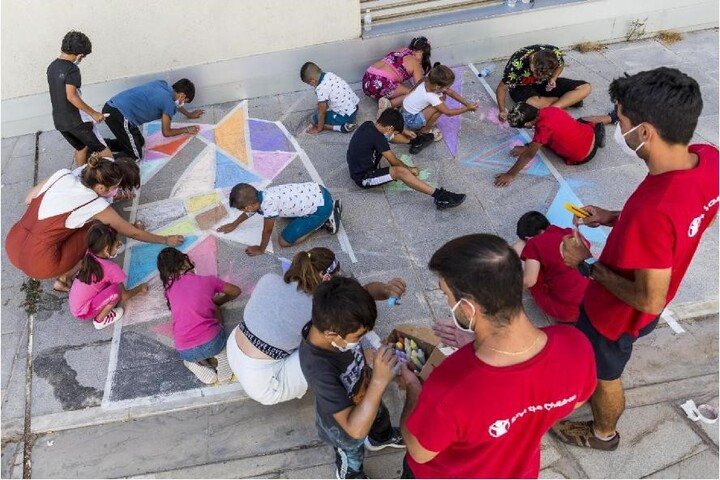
270, 164
230, 135
204, 256
152, 127
248, 233
143, 260
228, 173
154, 140
171, 147
153, 155
149, 168
208, 135
267, 136
199, 176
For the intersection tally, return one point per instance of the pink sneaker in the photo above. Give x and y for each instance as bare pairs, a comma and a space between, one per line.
112, 317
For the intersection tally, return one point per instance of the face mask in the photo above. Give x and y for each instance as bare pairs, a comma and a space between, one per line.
112, 193
179, 104
620, 139
469, 328
348, 346
78, 59
389, 136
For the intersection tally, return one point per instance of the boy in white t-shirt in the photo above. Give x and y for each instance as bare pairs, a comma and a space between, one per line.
337, 103
425, 103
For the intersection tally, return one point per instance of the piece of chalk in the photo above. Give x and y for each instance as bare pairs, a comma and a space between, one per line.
393, 301
578, 212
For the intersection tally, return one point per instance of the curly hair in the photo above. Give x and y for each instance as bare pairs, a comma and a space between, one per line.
76, 43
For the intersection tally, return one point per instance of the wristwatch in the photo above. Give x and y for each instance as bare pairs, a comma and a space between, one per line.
587, 266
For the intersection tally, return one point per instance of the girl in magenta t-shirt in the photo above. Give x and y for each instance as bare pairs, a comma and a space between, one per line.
197, 326
98, 287
556, 288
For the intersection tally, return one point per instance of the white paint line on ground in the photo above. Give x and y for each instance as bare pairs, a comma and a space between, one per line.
669, 318
292, 107
315, 176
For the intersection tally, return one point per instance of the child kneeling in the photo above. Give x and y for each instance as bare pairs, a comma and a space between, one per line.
98, 288
193, 301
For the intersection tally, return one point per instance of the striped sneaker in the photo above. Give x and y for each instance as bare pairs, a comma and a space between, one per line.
205, 374
112, 317
224, 372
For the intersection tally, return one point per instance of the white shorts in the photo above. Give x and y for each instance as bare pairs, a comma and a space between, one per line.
267, 381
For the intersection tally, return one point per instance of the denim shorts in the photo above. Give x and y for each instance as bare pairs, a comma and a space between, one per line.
413, 121
334, 118
301, 226
206, 350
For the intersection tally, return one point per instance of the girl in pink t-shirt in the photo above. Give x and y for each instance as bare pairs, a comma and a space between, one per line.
197, 326
98, 287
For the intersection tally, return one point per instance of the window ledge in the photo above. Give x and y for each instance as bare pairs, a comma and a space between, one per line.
459, 16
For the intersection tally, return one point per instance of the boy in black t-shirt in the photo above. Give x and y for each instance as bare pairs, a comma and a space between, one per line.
64, 82
350, 414
369, 145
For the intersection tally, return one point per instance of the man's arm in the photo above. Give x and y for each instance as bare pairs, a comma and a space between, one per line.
412, 393
194, 114
79, 103
500, 94
168, 131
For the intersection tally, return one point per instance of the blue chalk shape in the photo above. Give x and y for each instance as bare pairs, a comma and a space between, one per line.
229, 173
557, 215
152, 127
392, 301
285, 264
143, 260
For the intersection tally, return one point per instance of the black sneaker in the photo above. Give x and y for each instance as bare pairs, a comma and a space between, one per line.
333, 223
421, 141
445, 199
395, 441
600, 135
348, 127
360, 474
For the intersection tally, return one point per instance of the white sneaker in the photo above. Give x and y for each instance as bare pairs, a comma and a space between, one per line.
205, 374
224, 372
112, 317
436, 133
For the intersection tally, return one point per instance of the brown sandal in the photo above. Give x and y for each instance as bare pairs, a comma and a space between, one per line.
581, 434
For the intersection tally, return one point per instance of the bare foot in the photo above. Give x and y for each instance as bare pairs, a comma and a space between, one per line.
61, 286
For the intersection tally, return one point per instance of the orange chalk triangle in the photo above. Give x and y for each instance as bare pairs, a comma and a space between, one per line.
171, 147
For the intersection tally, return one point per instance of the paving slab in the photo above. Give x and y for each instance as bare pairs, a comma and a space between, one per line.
702, 465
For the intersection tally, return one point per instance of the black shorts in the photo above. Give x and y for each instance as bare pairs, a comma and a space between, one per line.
82, 137
599, 129
375, 178
610, 356
562, 86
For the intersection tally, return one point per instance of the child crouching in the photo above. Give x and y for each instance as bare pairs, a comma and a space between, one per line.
196, 321
98, 287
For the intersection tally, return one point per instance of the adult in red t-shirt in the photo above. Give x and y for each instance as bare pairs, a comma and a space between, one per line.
483, 411
653, 240
556, 288
575, 141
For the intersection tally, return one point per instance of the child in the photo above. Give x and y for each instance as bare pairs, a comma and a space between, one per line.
350, 414
556, 288
193, 301
130, 177
129, 110
424, 105
369, 145
63, 76
310, 205
337, 103
575, 141
98, 287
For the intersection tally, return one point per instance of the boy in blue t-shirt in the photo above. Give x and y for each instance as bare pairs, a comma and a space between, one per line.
127, 111
72, 117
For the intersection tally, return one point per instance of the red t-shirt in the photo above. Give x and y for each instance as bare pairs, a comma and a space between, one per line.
660, 227
487, 422
570, 139
559, 289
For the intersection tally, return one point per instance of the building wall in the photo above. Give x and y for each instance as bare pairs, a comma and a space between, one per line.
240, 49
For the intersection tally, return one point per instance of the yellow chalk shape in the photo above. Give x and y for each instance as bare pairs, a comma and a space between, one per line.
184, 227
230, 136
200, 202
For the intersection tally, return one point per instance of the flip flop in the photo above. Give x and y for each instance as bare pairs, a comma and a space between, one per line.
64, 289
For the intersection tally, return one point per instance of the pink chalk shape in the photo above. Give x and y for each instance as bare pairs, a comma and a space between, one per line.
153, 155
145, 307
270, 164
164, 329
154, 140
450, 126
204, 256
208, 135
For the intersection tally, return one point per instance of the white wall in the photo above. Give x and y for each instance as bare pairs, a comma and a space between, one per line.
136, 37
250, 57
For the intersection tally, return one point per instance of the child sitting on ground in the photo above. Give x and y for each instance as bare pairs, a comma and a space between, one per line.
193, 301
98, 287
423, 106
337, 103
575, 141
556, 288
369, 145
310, 205
350, 413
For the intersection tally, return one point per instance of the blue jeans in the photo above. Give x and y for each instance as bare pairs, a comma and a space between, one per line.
334, 118
414, 121
206, 350
349, 451
301, 226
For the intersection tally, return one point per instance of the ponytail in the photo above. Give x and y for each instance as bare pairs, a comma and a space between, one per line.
308, 268
421, 44
99, 237
101, 171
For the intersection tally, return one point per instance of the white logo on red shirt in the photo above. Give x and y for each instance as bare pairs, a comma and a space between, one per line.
695, 224
500, 427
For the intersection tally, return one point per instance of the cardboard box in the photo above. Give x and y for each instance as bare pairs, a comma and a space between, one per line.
426, 340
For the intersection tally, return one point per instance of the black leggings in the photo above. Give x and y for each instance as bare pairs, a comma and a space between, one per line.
128, 138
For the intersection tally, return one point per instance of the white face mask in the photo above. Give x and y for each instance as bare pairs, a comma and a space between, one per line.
389, 136
348, 346
78, 59
469, 328
179, 104
620, 139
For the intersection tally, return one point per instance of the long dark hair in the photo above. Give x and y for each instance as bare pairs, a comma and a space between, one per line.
99, 237
309, 267
422, 44
172, 264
